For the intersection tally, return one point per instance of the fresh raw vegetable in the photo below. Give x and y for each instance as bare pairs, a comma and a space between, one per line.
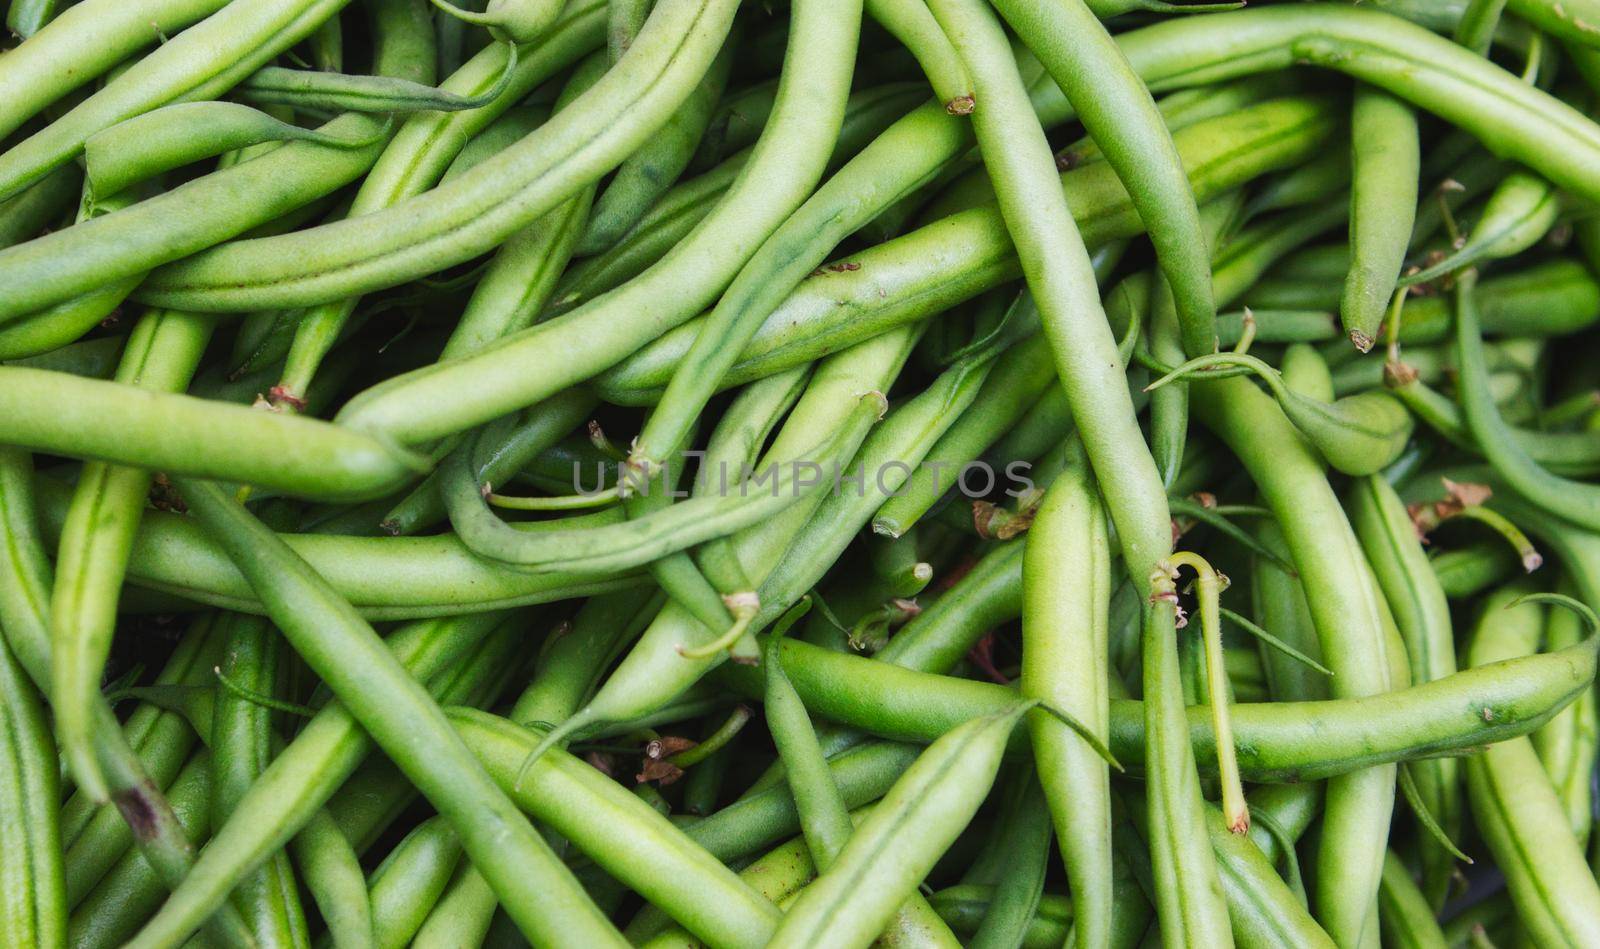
831, 473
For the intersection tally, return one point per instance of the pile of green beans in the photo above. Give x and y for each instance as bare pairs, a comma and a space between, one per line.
921, 473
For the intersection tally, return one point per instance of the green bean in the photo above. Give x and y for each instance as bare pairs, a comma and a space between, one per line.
910, 22
1065, 662
1021, 848
1051, 251
86, 40
1575, 501
1577, 22
425, 150
332, 874
888, 285
241, 746
230, 201
852, 900
112, 911
24, 215
540, 893
1358, 434
867, 113
1121, 116
202, 62
1515, 808
1277, 741
1518, 214
34, 910
162, 354
964, 907
27, 17
336, 92
566, 794
1384, 164
647, 174
1348, 623
410, 879
175, 135
300, 779
1422, 615
1404, 913
1566, 746
121, 424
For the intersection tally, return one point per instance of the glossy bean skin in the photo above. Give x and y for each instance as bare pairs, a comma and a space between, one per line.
512, 856
1066, 577
1384, 168
202, 62
1404, 913
1565, 745
1515, 808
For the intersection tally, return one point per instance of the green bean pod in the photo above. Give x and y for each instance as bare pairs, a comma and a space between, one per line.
1118, 112
540, 893
336, 92
566, 794
175, 135
1066, 579
1567, 745
86, 40
647, 174
1518, 214
1516, 809
1384, 166
910, 22
1576, 501
332, 874
1349, 627
1405, 915
241, 745
887, 285
1358, 434
851, 902
410, 879
202, 62
1568, 453
24, 215
1277, 741
1422, 615
96, 536
34, 912
124, 425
